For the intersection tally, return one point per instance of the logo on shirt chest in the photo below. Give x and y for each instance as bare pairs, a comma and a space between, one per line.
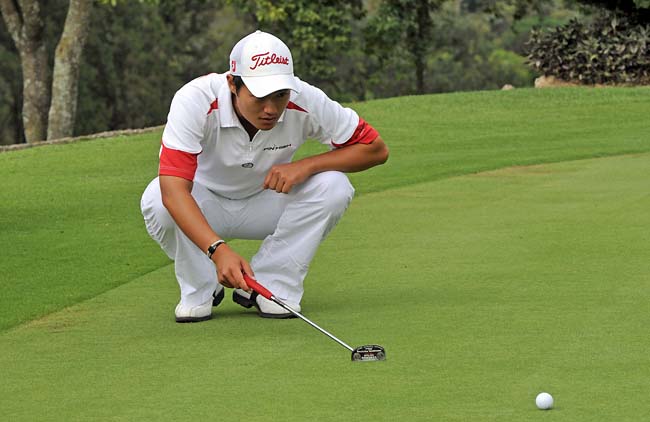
276, 147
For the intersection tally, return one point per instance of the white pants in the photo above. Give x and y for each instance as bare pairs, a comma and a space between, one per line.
292, 225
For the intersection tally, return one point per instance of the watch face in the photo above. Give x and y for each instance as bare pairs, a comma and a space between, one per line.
248, 165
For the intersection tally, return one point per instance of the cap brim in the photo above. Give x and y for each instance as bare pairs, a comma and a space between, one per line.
261, 86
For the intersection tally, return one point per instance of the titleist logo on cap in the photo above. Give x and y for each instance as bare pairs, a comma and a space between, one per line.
267, 58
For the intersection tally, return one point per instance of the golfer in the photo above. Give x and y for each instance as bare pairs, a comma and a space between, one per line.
226, 172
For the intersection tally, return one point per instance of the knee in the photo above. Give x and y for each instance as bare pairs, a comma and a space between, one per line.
335, 190
156, 216
162, 217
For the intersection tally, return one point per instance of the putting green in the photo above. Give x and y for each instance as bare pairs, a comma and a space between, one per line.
485, 290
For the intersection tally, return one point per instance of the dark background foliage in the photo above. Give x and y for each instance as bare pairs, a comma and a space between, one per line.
610, 50
140, 52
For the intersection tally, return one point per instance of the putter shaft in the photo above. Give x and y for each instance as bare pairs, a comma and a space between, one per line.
253, 284
313, 324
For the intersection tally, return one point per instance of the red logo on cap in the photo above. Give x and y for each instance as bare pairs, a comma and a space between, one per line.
267, 58
233, 66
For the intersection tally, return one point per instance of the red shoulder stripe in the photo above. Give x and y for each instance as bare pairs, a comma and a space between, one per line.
214, 106
294, 106
177, 163
364, 134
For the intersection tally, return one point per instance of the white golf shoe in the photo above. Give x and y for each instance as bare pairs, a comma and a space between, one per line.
199, 313
265, 308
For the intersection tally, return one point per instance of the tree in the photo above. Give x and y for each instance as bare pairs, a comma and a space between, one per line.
321, 37
612, 49
517, 9
139, 53
10, 90
26, 27
638, 11
612, 46
25, 23
404, 24
67, 60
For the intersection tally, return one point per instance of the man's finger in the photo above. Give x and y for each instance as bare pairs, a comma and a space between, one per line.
279, 185
271, 184
249, 271
271, 180
238, 280
222, 280
287, 187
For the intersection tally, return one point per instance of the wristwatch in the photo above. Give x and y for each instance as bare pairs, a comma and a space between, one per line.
212, 249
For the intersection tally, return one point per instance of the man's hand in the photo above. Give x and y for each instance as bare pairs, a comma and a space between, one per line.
282, 177
229, 268
358, 157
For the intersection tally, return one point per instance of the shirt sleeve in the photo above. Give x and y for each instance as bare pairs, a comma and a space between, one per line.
364, 134
186, 121
177, 163
331, 123
183, 133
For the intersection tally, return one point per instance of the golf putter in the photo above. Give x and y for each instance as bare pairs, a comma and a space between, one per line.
367, 353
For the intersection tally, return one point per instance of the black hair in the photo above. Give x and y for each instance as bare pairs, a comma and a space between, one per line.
238, 81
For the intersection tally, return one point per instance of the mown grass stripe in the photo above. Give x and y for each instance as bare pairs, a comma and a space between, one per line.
485, 289
70, 219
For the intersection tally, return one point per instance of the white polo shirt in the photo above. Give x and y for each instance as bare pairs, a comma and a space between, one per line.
204, 140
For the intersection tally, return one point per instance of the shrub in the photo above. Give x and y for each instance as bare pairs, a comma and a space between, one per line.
610, 50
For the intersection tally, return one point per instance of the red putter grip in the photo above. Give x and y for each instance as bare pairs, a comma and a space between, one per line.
253, 284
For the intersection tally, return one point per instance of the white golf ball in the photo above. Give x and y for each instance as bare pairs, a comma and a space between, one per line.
544, 401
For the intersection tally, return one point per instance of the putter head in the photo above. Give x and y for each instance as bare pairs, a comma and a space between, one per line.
368, 353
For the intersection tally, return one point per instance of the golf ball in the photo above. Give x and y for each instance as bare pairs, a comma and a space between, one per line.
544, 401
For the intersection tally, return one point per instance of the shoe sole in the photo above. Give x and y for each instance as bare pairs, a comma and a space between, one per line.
250, 302
215, 302
218, 298
244, 301
184, 320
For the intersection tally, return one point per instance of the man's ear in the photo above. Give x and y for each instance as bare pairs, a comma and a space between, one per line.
231, 84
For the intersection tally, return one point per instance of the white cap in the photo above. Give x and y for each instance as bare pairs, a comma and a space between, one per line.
264, 63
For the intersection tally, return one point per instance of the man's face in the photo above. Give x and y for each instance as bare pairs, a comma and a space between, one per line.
263, 113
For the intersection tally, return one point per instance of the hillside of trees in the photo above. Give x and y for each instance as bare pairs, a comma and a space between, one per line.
131, 56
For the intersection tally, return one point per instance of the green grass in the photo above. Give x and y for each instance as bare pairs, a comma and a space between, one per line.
70, 219
70, 223
485, 289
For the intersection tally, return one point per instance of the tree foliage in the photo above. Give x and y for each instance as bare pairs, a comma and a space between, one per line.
407, 25
471, 53
467, 49
139, 52
322, 35
514, 9
611, 49
637, 11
